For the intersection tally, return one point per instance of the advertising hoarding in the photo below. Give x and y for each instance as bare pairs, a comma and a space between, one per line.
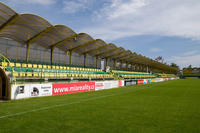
32, 90
145, 81
66, 88
38, 90
20, 91
130, 82
140, 81
109, 84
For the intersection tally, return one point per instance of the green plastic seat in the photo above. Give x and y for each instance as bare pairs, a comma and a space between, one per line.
23, 69
17, 69
9, 69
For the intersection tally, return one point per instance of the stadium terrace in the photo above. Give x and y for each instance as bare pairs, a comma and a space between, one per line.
37, 57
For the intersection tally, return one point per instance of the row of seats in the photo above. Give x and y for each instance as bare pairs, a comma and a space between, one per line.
137, 76
130, 74
48, 71
166, 75
23, 69
40, 66
58, 75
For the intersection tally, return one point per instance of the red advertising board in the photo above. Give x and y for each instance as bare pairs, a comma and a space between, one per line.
140, 81
120, 83
66, 88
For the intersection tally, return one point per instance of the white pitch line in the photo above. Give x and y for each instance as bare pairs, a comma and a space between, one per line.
61, 105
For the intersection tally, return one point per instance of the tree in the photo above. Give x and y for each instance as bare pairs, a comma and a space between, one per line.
174, 65
190, 66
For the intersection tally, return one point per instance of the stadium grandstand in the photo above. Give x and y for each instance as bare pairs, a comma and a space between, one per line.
32, 50
191, 72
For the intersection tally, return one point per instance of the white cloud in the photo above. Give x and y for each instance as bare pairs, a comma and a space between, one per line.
39, 2
73, 6
125, 18
184, 61
190, 53
155, 50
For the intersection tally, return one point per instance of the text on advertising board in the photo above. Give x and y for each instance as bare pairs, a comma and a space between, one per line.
66, 88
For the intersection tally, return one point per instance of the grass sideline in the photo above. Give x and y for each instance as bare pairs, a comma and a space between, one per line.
167, 107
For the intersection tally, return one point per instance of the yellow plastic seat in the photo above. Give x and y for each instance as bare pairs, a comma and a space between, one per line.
35, 75
11, 64
4, 64
29, 74
24, 65
45, 66
40, 66
49, 66
46, 75
18, 64
29, 65
15, 74
22, 74
35, 66
57, 67
51, 75
62, 75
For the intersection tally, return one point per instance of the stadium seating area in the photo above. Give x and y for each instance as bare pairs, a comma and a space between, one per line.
165, 75
131, 74
38, 70
24, 70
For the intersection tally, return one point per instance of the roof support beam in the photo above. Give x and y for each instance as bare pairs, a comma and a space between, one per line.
83, 45
52, 55
122, 56
85, 60
94, 50
12, 19
66, 39
127, 64
127, 57
111, 50
70, 58
114, 65
114, 54
39, 34
97, 60
27, 52
55, 45
106, 61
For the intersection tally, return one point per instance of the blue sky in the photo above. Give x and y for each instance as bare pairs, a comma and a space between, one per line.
169, 28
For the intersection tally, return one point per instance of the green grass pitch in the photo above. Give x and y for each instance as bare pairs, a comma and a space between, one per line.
167, 107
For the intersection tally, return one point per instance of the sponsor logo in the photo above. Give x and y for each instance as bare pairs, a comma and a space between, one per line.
65, 88
140, 81
99, 85
120, 83
35, 91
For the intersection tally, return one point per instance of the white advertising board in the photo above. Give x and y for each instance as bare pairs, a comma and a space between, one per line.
99, 86
108, 84
19, 91
145, 81
32, 90
38, 90
159, 80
